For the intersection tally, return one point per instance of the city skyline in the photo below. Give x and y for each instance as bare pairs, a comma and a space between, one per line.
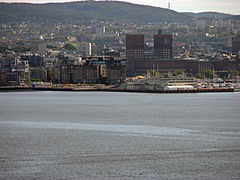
224, 6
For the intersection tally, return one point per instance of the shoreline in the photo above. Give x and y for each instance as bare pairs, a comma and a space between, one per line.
21, 88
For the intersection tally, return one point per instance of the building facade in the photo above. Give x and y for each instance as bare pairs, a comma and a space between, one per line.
96, 70
139, 63
189, 66
163, 46
85, 48
134, 52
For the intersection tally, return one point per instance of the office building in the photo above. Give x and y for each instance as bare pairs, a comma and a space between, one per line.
134, 52
163, 46
138, 62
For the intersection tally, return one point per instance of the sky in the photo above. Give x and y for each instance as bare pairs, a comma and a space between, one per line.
225, 6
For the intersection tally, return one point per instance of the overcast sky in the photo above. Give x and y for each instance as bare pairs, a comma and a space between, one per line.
226, 6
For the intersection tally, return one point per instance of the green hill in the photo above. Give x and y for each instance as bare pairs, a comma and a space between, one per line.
210, 15
234, 18
88, 10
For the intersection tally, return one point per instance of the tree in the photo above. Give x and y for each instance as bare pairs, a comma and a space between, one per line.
165, 76
52, 47
20, 49
209, 74
154, 73
177, 72
234, 72
69, 47
52, 75
3, 49
198, 75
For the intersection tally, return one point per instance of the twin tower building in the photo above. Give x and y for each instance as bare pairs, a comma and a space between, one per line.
139, 62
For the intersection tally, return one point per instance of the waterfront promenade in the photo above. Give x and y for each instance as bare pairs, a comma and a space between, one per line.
112, 89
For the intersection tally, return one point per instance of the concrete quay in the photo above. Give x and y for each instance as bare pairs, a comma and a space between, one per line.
112, 89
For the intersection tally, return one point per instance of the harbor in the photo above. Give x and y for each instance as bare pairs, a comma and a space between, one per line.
114, 89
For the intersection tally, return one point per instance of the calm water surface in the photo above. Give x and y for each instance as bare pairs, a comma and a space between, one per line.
103, 135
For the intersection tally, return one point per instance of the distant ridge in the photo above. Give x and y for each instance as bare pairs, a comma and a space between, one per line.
88, 10
210, 15
237, 17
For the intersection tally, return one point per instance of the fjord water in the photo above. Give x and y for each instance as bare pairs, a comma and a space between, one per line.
103, 135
